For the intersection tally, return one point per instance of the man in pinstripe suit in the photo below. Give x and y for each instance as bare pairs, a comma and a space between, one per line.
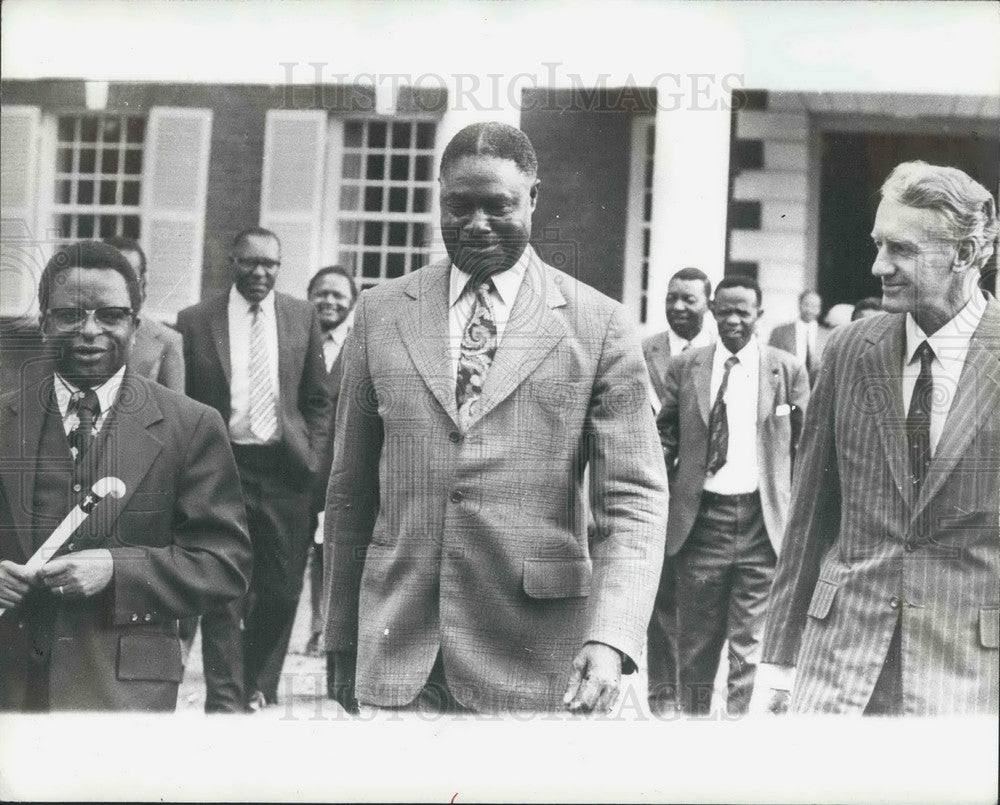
885, 599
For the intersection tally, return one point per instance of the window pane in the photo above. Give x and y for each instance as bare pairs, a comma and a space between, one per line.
85, 226
65, 226
399, 168
397, 199
416, 261
64, 160
395, 265
373, 233
421, 199
88, 160
401, 135
112, 129
425, 135
373, 199
64, 192
107, 192
376, 135
88, 130
423, 171
349, 260
397, 234
418, 236
133, 161
349, 232
130, 194
67, 125
376, 167
85, 193
109, 161
370, 265
136, 129
352, 135
108, 226
130, 227
349, 195
352, 166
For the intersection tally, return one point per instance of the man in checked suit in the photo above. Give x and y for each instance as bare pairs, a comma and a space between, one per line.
255, 355
728, 428
476, 392
886, 597
688, 293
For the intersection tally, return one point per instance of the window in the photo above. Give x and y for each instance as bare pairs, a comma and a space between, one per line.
98, 175
640, 214
386, 187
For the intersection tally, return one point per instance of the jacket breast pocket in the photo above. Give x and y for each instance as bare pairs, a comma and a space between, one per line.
557, 578
150, 658
989, 627
822, 599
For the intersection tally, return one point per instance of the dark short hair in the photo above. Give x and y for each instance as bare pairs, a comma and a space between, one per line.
88, 254
740, 281
492, 139
339, 271
254, 232
810, 292
868, 303
692, 274
124, 244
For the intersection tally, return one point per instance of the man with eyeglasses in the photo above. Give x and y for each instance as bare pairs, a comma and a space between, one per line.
95, 628
256, 356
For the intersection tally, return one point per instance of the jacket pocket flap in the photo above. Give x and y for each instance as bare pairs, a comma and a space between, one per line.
989, 627
557, 578
822, 599
153, 658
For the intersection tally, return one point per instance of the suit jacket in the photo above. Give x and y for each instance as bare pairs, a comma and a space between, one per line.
178, 539
783, 337
475, 543
304, 411
323, 475
158, 355
683, 425
656, 352
862, 549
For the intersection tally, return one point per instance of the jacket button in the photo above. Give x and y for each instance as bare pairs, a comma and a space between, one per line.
148, 618
71, 546
456, 496
134, 617
77, 487
894, 602
455, 436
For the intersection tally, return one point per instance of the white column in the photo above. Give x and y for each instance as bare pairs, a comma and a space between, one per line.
690, 197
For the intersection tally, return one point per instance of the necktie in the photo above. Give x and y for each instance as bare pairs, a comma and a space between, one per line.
918, 418
718, 424
263, 420
479, 345
87, 408
810, 366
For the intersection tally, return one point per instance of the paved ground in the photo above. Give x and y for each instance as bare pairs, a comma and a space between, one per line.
303, 682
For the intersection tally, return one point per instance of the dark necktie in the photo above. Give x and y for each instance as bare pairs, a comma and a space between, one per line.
87, 408
479, 345
718, 424
918, 418
810, 360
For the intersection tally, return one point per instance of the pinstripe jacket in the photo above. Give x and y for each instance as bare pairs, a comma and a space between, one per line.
474, 542
862, 551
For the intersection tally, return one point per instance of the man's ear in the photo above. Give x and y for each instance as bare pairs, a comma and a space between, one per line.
966, 256
533, 193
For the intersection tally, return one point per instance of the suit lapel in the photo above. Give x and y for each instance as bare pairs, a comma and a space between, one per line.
976, 399
285, 322
532, 332
425, 330
701, 371
218, 323
768, 386
659, 356
881, 369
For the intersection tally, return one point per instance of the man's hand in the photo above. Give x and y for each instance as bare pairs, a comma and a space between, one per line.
78, 575
340, 679
772, 689
596, 678
15, 581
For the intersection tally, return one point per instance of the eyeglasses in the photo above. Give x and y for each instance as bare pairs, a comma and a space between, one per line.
70, 319
251, 263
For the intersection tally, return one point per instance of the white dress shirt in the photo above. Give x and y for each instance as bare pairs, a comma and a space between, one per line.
805, 334
739, 474
951, 346
240, 319
107, 394
461, 298
333, 340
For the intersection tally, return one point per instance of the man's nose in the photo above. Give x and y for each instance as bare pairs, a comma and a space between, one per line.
880, 266
478, 222
90, 327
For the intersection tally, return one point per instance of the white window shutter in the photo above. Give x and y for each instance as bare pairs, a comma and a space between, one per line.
22, 253
291, 193
174, 187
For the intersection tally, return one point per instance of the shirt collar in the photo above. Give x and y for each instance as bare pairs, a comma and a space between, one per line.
952, 338
238, 301
749, 355
507, 283
339, 333
677, 342
107, 392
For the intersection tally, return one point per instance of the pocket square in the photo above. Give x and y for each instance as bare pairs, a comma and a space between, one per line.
783, 410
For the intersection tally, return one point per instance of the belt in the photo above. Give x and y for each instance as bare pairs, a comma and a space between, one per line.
743, 497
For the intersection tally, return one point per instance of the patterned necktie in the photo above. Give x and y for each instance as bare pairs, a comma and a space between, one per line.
479, 345
918, 418
263, 420
718, 424
87, 408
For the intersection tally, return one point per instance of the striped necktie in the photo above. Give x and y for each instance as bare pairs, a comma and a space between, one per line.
263, 418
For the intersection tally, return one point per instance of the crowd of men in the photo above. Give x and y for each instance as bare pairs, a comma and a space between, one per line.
507, 500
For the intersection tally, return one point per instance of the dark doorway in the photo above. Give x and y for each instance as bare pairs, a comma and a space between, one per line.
853, 167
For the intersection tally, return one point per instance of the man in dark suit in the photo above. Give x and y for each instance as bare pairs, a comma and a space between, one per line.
806, 337
334, 293
886, 596
688, 293
255, 355
479, 393
96, 626
727, 427
158, 352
